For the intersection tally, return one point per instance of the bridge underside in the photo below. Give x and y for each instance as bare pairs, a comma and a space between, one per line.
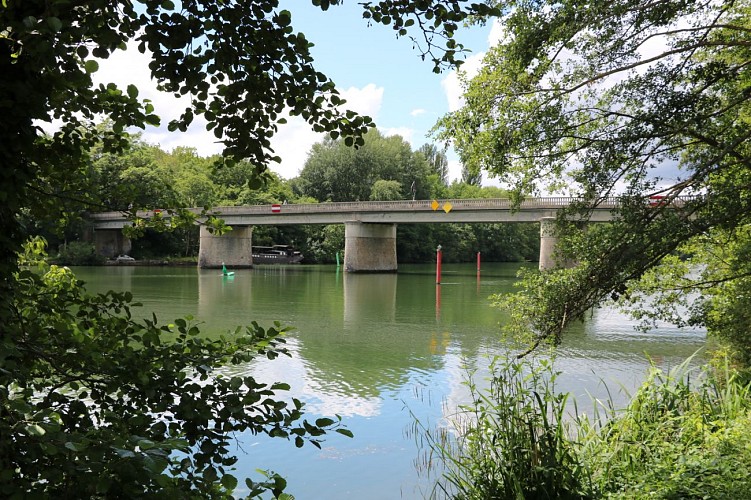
370, 228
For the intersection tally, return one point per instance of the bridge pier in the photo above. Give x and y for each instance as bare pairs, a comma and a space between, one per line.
233, 248
111, 242
369, 247
549, 246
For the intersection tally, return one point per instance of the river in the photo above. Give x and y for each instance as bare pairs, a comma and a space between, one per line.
381, 350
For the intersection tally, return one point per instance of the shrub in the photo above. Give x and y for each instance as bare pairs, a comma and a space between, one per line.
683, 435
78, 253
98, 404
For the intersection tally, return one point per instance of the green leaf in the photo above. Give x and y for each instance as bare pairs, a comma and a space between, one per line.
132, 91
103, 484
54, 23
235, 383
152, 120
75, 446
345, 432
35, 430
146, 444
229, 481
124, 453
324, 422
49, 448
91, 66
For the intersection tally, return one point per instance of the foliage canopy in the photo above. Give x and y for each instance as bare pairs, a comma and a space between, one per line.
336, 172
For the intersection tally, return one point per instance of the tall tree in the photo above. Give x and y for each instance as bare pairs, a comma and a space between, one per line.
336, 172
241, 66
386, 191
190, 175
470, 176
609, 98
437, 160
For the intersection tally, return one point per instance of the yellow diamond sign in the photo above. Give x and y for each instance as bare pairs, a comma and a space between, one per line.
434, 205
447, 207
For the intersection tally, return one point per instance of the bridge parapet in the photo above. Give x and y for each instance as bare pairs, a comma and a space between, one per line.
554, 203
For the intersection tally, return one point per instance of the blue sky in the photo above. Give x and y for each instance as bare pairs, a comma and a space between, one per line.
379, 74
355, 55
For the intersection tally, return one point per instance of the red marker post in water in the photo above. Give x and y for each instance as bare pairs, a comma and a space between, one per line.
438, 265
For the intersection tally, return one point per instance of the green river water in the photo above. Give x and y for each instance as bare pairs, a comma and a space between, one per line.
380, 350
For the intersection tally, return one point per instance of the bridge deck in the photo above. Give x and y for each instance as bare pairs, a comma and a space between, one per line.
409, 211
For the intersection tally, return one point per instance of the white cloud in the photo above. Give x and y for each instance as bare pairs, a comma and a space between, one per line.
319, 397
452, 84
293, 141
455, 170
497, 32
292, 144
405, 132
417, 112
125, 67
366, 101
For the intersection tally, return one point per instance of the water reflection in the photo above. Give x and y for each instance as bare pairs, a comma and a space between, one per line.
371, 350
215, 291
369, 298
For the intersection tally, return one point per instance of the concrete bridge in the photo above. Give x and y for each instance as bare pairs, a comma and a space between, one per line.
370, 227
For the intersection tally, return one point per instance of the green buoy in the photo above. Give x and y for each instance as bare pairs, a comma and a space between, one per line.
225, 272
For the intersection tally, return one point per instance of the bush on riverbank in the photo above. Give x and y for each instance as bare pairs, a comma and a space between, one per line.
682, 435
677, 438
78, 253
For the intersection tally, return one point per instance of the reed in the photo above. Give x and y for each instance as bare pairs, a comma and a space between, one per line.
682, 435
511, 441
